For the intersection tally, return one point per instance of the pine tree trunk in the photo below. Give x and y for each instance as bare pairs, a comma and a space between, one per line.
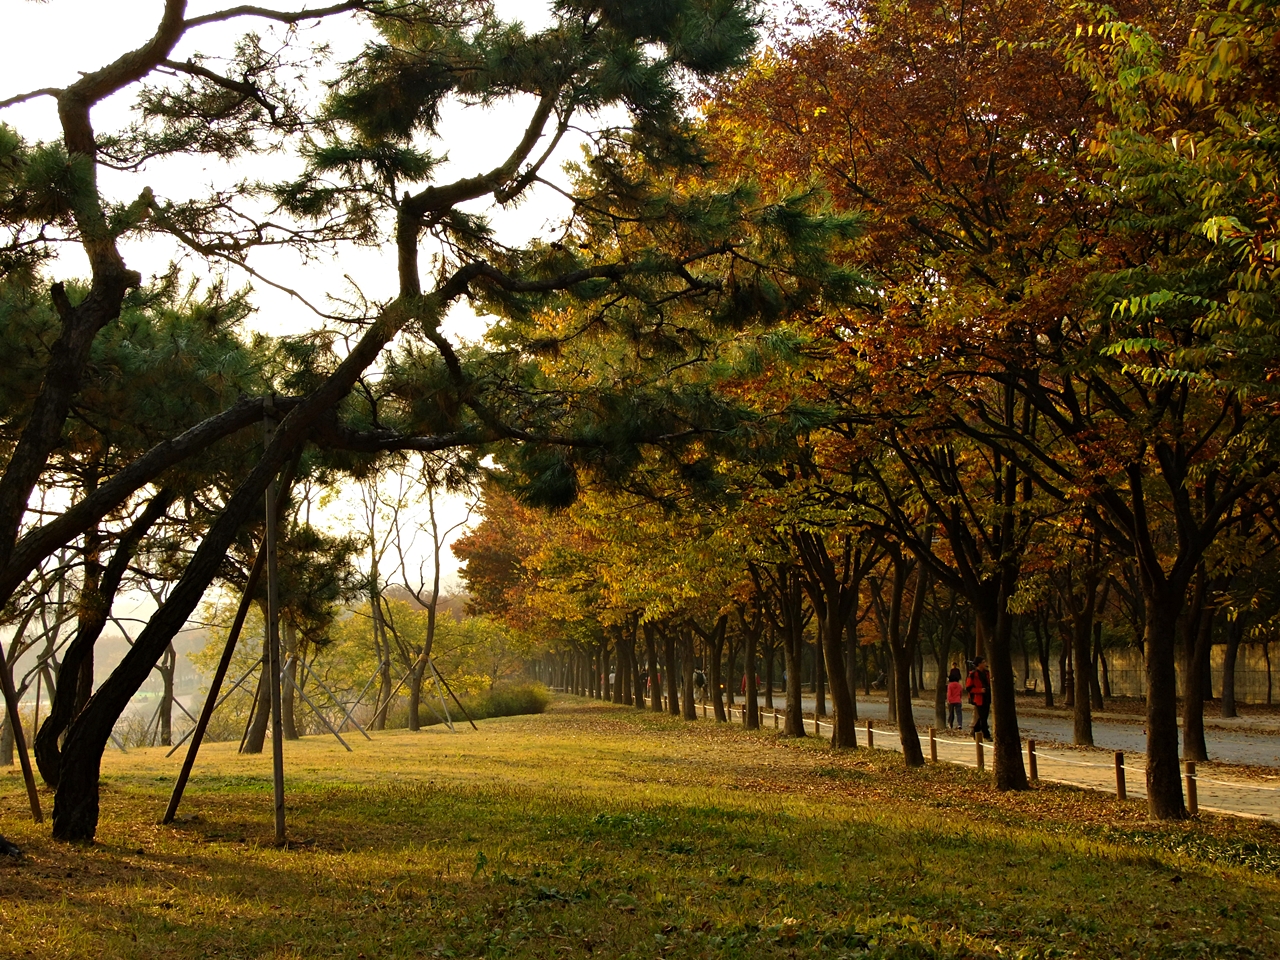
257, 734
167, 667
288, 683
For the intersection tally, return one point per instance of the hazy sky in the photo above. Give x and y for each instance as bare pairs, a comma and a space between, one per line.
46, 44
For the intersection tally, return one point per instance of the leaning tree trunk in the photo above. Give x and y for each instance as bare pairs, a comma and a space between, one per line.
256, 736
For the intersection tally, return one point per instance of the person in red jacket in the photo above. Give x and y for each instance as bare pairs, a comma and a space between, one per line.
955, 695
979, 688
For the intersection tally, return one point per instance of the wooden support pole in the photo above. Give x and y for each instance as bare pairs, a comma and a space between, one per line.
775, 719
933, 745
871, 737
1193, 801
1031, 760
982, 760
273, 644
1121, 794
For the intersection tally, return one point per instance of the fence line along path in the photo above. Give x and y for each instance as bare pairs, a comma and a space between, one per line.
1121, 774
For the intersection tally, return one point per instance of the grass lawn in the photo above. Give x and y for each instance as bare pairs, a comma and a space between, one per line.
596, 830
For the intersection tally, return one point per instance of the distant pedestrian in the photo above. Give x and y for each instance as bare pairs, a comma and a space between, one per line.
955, 694
979, 687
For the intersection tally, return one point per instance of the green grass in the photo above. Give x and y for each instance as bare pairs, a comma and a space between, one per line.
598, 831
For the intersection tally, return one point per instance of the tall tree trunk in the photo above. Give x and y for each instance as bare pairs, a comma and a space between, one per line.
1196, 649
1081, 656
1164, 780
770, 658
672, 677
820, 671
261, 711
687, 665
417, 677
902, 641
74, 685
288, 702
1235, 633
167, 666
851, 661
651, 650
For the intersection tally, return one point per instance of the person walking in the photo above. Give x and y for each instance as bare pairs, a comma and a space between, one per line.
979, 687
955, 691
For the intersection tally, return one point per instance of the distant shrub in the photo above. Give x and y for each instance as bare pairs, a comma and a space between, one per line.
504, 700
514, 700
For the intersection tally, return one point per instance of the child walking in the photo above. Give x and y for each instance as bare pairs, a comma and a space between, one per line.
955, 694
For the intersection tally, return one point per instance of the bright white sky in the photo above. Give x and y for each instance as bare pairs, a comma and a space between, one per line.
44, 44
91, 33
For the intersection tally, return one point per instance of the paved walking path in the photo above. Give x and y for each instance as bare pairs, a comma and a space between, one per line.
1090, 768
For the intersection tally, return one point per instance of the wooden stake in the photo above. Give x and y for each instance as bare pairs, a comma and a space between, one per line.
982, 761
871, 737
1193, 801
273, 646
1120, 790
1031, 760
35, 722
933, 745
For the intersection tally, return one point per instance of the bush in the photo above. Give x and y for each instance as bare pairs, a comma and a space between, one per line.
513, 700
505, 700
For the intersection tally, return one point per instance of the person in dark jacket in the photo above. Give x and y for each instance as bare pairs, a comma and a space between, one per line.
979, 689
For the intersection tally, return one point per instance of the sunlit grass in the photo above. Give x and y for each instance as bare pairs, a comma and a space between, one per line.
597, 830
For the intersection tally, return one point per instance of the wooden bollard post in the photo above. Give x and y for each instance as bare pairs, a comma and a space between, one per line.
1193, 802
871, 737
933, 745
1031, 760
982, 761
775, 719
1120, 790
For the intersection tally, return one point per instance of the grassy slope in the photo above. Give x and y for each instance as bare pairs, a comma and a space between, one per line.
598, 830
